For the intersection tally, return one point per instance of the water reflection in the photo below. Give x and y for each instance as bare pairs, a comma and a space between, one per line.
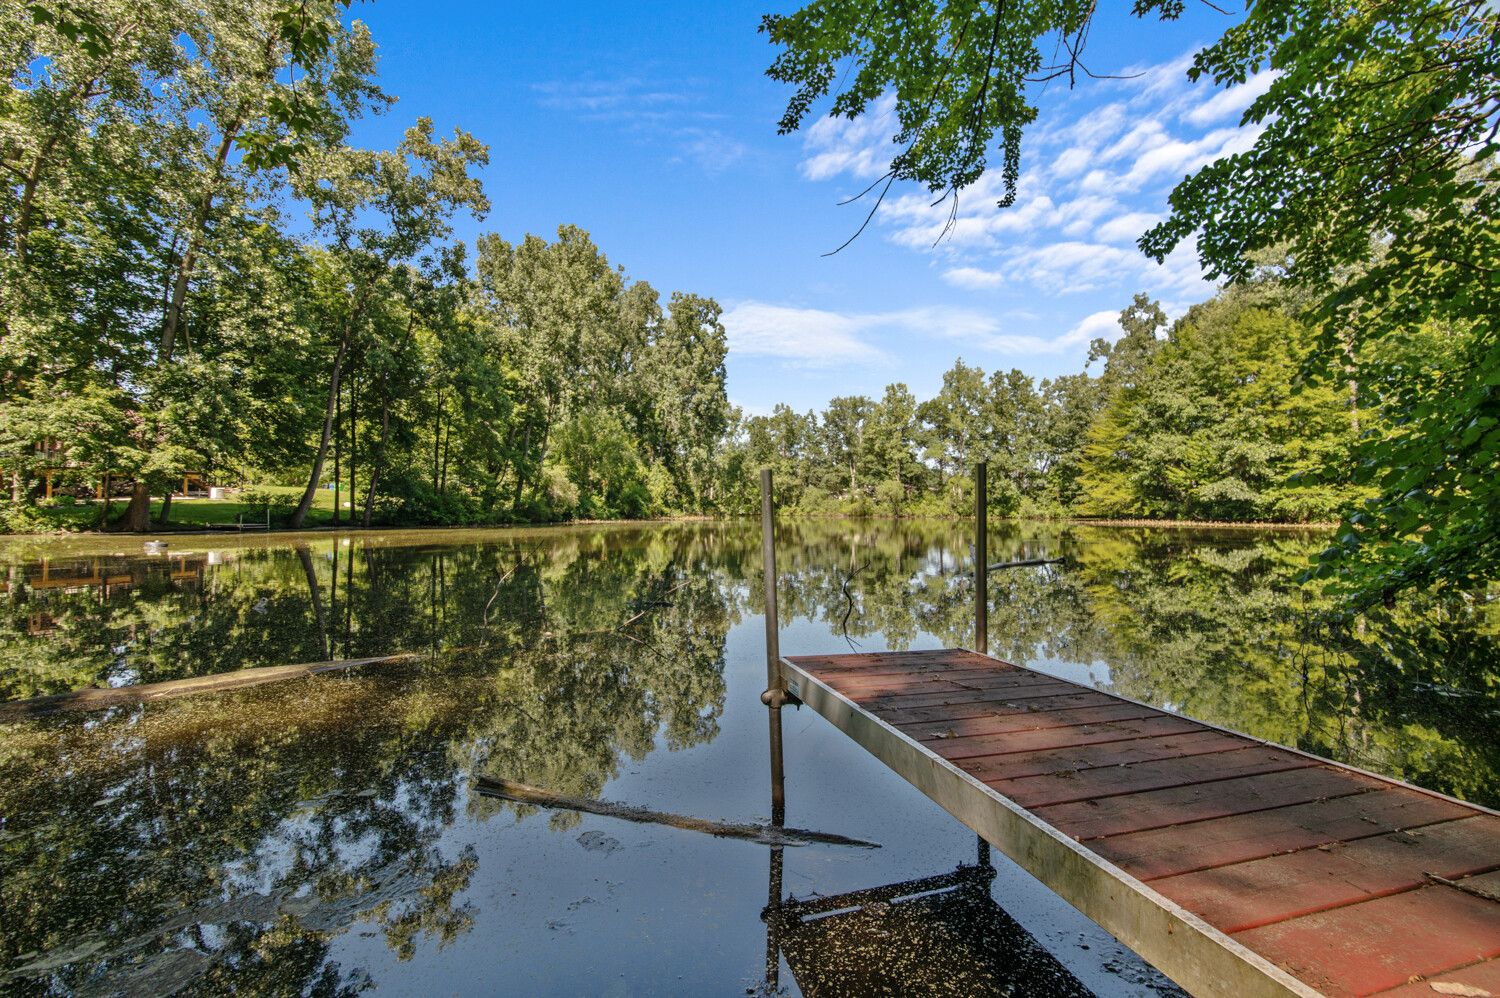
239, 841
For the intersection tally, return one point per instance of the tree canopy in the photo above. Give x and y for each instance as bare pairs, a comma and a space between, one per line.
1372, 175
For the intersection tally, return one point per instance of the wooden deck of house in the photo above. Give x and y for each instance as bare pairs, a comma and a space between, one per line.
1235, 866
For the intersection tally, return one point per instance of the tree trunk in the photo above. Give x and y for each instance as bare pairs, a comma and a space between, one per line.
164, 516
377, 461
189, 257
515, 503
338, 471
447, 439
353, 444
105, 504
28, 197
15, 487
138, 513
437, 434
299, 515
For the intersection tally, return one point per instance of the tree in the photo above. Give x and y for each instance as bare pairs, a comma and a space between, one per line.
381, 209
844, 425
1373, 171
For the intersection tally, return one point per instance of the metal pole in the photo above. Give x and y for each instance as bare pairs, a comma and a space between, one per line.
775, 694
982, 587
981, 560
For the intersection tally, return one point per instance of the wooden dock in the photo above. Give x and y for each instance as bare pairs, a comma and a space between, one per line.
1235, 866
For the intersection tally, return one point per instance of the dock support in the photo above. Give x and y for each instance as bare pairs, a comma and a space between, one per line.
775, 694
982, 586
981, 559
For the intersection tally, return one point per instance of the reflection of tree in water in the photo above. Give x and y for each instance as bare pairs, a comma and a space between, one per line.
222, 843
225, 842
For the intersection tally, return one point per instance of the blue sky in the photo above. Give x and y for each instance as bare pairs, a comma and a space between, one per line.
653, 126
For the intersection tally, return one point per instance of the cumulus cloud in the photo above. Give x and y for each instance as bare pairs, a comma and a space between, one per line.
860, 147
809, 337
1092, 184
1232, 101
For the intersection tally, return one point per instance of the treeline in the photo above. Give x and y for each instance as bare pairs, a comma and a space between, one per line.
1213, 417
200, 274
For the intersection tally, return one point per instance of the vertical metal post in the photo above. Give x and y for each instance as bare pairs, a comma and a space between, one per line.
775, 695
981, 560
982, 585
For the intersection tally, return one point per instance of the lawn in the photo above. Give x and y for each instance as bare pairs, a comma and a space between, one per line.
191, 514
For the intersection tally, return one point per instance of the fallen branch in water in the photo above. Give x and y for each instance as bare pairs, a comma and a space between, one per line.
771, 835
1026, 563
99, 699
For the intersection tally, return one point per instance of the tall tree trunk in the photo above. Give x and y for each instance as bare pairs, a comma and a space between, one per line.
189, 257
138, 513
377, 460
338, 472
164, 516
299, 515
515, 503
105, 504
29, 185
447, 439
353, 444
437, 435
15, 487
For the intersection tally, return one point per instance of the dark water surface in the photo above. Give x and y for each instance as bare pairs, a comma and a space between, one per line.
324, 836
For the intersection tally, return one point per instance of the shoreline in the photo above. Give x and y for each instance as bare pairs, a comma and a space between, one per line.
323, 530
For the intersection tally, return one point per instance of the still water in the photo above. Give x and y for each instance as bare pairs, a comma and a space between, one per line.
325, 835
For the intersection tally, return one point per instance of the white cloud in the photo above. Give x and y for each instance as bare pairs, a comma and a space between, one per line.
973, 278
860, 147
1099, 325
1092, 183
808, 336
1126, 228
1232, 101
812, 337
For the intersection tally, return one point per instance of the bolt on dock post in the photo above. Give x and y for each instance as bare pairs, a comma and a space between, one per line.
775, 694
982, 586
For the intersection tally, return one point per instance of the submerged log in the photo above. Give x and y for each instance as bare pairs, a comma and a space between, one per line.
770, 835
1025, 563
99, 699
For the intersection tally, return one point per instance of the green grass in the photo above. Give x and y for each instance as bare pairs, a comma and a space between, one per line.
186, 514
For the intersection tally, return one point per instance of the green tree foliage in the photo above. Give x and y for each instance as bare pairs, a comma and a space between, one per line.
1207, 423
163, 312
1373, 174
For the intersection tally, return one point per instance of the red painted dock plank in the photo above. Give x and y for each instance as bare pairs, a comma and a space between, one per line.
1041, 737
1003, 725
1159, 774
1236, 839
1367, 948
1327, 872
1479, 978
1088, 820
965, 696
1033, 699
1075, 757
1259, 892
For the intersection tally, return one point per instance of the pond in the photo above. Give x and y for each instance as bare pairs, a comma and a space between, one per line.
326, 835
